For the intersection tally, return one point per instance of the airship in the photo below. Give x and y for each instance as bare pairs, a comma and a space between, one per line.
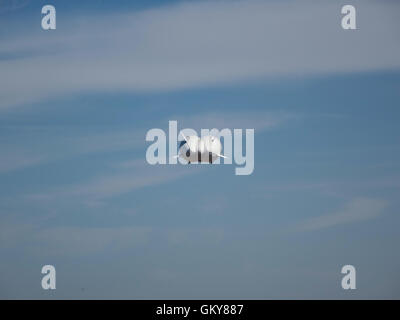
205, 149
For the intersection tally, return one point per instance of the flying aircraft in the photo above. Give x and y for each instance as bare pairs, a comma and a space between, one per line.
206, 149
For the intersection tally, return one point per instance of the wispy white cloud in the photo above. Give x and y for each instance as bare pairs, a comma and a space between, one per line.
10, 161
85, 240
11, 5
74, 241
196, 44
358, 209
33, 146
243, 119
71, 240
113, 184
41, 145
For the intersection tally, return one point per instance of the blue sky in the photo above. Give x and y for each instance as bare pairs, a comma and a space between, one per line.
77, 193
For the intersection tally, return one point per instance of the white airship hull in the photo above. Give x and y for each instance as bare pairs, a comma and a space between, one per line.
196, 150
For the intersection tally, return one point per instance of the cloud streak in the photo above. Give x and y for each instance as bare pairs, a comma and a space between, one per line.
40, 145
244, 119
196, 44
111, 185
49, 144
72, 240
358, 209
